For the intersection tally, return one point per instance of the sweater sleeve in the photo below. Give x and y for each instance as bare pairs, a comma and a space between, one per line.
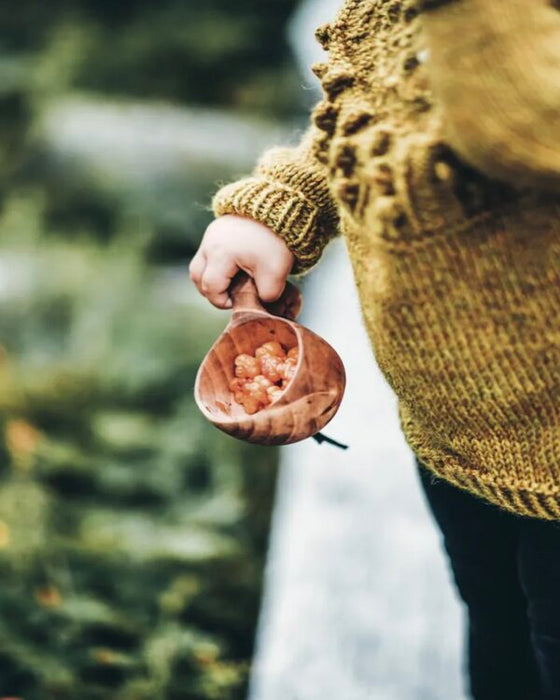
494, 65
288, 192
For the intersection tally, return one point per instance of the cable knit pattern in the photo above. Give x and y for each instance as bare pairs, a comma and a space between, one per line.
454, 241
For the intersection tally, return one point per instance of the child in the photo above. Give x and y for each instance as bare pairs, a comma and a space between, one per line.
436, 153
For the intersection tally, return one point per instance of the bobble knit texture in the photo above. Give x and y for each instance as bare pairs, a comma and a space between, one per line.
436, 153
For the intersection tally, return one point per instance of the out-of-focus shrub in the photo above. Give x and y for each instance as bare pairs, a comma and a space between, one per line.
131, 532
208, 52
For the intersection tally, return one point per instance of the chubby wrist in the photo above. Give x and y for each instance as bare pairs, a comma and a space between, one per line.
283, 210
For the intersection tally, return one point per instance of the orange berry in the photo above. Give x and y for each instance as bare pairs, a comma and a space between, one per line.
273, 392
289, 369
246, 366
251, 405
237, 384
293, 353
272, 367
255, 390
237, 388
262, 381
271, 348
255, 384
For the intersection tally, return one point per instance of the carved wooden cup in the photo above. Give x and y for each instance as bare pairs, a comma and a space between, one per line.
311, 398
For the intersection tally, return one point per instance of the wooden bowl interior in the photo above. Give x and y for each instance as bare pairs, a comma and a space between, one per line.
217, 370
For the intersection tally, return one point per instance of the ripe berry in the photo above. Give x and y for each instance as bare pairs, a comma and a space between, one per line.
246, 366
293, 353
289, 369
272, 367
274, 392
271, 348
251, 405
261, 379
237, 388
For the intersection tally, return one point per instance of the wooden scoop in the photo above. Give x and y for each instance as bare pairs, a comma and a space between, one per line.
311, 398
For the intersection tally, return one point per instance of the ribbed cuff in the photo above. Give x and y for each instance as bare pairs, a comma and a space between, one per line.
293, 217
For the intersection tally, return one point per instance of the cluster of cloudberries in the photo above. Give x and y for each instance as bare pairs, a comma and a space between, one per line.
261, 378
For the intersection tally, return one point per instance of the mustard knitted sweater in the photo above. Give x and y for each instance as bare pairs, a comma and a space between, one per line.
436, 153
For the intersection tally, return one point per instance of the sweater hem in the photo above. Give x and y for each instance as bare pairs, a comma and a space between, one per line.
510, 496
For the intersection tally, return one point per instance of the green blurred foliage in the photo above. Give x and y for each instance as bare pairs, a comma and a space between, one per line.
207, 52
214, 53
132, 533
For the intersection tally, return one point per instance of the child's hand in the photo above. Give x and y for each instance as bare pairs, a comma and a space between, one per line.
233, 243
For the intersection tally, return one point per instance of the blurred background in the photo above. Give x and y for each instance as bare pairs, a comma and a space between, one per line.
133, 536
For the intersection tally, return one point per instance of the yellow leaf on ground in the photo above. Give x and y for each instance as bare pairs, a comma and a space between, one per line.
22, 438
5, 537
48, 597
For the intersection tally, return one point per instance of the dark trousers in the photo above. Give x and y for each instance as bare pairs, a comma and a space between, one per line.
507, 571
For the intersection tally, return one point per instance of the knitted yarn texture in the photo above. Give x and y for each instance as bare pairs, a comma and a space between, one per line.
435, 151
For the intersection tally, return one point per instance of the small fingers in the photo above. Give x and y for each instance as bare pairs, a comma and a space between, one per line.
196, 267
270, 285
216, 279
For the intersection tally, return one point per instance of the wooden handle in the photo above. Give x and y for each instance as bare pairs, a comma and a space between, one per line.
243, 293
244, 297
289, 305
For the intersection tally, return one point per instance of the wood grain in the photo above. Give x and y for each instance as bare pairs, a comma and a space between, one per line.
309, 401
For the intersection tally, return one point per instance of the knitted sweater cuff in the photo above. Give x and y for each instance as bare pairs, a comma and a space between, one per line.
287, 212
